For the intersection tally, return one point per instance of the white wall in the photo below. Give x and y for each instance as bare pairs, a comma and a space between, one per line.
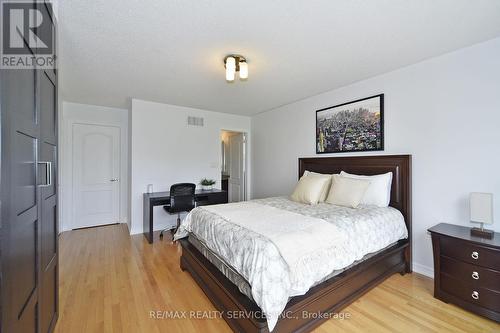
89, 114
164, 151
444, 111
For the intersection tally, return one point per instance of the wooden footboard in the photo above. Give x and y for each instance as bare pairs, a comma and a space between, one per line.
302, 313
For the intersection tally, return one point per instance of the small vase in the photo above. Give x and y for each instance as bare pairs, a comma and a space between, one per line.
207, 187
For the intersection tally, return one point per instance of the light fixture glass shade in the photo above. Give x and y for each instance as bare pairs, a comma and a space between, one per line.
229, 75
243, 70
231, 63
481, 207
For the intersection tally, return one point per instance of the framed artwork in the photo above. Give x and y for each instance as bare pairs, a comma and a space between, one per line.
351, 127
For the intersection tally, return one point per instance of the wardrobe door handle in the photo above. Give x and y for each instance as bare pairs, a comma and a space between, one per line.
48, 174
475, 275
475, 255
475, 295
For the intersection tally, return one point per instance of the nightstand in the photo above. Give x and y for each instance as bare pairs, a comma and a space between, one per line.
467, 269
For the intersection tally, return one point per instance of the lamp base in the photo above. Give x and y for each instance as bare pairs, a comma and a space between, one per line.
483, 233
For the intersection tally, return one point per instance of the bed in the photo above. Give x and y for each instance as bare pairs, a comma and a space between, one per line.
230, 295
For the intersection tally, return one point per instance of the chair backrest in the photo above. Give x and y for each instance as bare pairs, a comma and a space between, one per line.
182, 197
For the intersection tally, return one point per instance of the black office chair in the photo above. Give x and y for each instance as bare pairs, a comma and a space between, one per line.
182, 199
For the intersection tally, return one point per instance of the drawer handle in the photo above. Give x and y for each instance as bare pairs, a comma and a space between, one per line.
475, 255
475, 295
475, 275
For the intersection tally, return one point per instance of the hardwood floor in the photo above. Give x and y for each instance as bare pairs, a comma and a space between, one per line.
111, 282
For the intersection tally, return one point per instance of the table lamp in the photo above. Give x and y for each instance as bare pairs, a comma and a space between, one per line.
481, 211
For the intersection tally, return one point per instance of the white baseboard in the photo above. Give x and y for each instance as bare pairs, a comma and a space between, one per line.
135, 231
424, 270
159, 227
64, 229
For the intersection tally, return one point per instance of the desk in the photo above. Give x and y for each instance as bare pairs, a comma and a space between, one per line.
203, 198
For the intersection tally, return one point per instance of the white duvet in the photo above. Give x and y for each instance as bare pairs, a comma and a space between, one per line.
282, 248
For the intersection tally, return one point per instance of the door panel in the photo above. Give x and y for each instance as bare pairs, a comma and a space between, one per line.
28, 244
48, 105
96, 159
49, 229
22, 81
48, 309
48, 200
28, 322
25, 195
23, 271
19, 243
237, 167
96, 167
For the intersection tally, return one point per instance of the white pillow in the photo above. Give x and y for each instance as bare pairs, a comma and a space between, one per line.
347, 191
379, 191
326, 188
308, 190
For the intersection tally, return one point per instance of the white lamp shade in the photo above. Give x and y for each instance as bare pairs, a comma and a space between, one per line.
243, 70
231, 64
229, 75
481, 207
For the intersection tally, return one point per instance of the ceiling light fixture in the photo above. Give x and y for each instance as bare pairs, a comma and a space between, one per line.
235, 63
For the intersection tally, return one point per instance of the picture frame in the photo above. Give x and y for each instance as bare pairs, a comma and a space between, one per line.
354, 126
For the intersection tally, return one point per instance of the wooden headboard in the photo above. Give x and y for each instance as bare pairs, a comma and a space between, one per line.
399, 165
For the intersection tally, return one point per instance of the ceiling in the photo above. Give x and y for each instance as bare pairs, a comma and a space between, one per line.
172, 51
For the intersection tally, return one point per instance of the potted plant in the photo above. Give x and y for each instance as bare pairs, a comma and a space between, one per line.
207, 184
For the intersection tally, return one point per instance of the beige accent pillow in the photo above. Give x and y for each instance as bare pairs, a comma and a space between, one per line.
326, 187
308, 189
347, 192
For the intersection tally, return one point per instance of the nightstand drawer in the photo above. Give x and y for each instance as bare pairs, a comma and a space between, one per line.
479, 296
471, 253
475, 276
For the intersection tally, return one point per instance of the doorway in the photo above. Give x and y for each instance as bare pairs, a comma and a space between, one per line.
234, 165
96, 171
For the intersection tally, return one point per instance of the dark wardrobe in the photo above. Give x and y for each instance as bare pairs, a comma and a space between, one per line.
28, 220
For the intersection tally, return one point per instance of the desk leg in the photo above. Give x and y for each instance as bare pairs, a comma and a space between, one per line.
148, 220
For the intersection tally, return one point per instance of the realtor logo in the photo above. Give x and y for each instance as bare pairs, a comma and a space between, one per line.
27, 35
